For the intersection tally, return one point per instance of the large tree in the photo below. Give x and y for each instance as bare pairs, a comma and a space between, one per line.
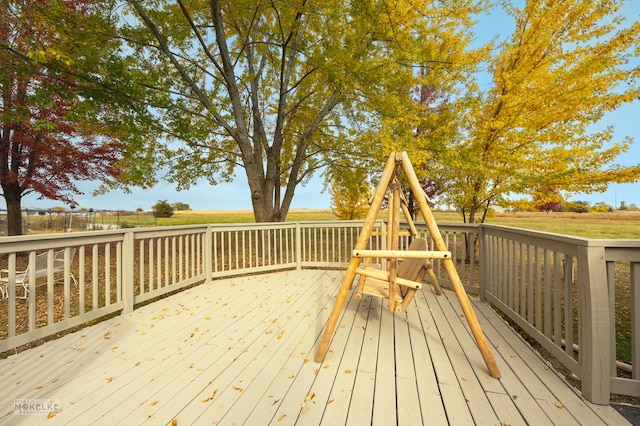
59, 121
561, 70
280, 88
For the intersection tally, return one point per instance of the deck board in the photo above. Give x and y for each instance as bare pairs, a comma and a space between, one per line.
241, 350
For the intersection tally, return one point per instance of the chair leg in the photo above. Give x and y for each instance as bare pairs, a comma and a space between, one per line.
26, 290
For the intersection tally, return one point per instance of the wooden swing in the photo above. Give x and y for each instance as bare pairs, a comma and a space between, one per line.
405, 268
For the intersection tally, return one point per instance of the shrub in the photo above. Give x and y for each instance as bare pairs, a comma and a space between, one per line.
162, 209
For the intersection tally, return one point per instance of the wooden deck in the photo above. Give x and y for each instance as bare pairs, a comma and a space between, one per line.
240, 351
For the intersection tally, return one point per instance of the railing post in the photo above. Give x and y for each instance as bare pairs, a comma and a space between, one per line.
128, 276
483, 263
594, 324
298, 246
208, 253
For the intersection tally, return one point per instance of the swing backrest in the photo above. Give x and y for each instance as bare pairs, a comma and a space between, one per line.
410, 268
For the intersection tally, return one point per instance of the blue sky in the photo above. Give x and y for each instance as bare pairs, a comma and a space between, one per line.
235, 195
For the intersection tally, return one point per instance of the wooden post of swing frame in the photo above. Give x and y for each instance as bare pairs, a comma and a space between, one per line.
369, 222
450, 268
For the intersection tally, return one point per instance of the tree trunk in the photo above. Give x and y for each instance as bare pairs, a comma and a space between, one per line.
14, 211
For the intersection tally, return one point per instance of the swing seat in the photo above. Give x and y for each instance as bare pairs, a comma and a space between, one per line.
411, 272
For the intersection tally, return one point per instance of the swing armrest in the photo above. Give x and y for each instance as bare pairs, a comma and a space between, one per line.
384, 276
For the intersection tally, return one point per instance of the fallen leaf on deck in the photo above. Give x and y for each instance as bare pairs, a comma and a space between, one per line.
326, 366
108, 379
174, 422
281, 418
52, 414
213, 395
463, 379
559, 405
306, 360
330, 401
310, 396
107, 335
207, 318
238, 389
153, 403
292, 376
280, 334
114, 348
39, 387
347, 371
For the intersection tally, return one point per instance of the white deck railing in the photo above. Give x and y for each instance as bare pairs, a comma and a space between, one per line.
558, 289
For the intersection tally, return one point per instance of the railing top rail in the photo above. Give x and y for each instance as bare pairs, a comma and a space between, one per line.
502, 230
252, 225
334, 223
47, 241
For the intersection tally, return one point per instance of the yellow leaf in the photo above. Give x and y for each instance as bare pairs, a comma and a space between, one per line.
51, 414
238, 389
207, 318
291, 376
281, 418
153, 403
463, 379
108, 379
310, 396
347, 371
280, 334
559, 405
107, 335
174, 422
306, 360
213, 395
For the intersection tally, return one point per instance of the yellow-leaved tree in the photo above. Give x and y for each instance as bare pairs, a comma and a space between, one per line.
348, 203
532, 127
350, 192
283, 89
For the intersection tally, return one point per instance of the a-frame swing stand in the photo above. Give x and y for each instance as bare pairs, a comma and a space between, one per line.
397, 289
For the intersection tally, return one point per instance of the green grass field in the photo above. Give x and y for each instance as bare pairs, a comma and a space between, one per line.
589, 225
